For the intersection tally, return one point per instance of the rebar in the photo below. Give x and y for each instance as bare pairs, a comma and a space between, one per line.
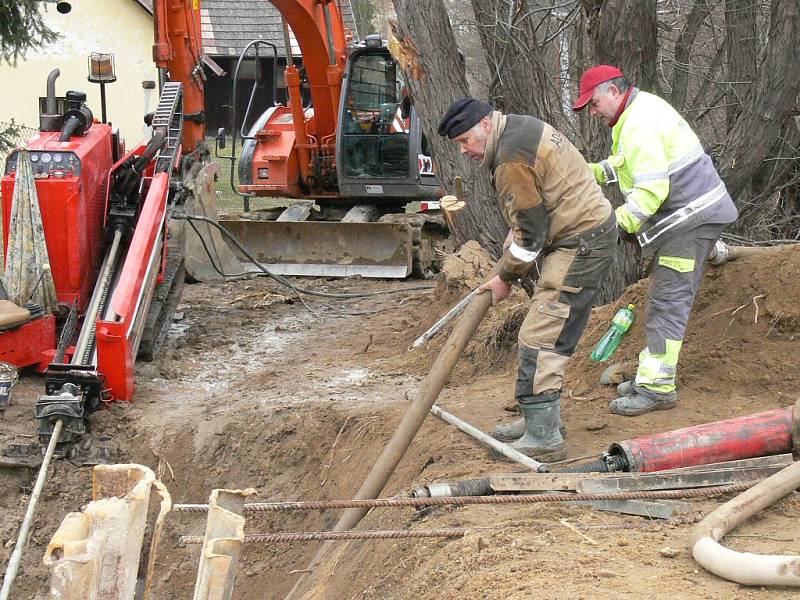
467, 500
311, 536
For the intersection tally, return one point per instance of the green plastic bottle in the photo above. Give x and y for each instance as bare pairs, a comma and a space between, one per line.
619, 325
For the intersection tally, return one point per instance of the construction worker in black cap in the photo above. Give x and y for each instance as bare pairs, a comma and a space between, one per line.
561, 224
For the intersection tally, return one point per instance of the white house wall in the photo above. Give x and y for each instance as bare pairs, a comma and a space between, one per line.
121, 27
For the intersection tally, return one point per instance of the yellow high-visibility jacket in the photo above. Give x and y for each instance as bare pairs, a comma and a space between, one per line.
669, 182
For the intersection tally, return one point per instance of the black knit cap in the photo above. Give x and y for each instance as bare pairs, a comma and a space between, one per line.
462, 116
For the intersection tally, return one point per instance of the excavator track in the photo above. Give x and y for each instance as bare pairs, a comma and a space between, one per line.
165, 300
429, 235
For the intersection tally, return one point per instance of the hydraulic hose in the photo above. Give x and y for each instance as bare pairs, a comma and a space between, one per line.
597, 466
608, 463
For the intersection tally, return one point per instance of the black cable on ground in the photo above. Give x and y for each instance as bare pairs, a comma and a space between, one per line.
280, 279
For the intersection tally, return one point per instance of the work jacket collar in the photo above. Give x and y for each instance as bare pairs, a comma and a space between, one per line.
493, 139
632, 93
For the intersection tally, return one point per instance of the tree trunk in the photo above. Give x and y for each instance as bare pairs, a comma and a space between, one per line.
683, 51
741, 18
520, 82
772, 102
622, 33
426, 51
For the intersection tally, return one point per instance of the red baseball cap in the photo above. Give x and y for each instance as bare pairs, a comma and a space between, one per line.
590, 80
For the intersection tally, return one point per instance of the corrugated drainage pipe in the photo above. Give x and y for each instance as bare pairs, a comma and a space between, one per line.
743, 567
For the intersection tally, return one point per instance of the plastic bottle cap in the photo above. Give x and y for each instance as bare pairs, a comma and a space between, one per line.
631, 306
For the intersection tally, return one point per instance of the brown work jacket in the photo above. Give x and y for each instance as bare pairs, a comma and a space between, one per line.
545, 188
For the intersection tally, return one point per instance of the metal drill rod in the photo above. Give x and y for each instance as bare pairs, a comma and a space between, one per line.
366, 504
22, 539
451, 314
504, 449
83, 348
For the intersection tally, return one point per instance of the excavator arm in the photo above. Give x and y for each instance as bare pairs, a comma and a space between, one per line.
178, 54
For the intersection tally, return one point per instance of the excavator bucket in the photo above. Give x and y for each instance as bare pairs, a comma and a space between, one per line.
325, 249
207, 255
290, 247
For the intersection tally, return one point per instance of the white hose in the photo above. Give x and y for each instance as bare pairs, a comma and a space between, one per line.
743, 567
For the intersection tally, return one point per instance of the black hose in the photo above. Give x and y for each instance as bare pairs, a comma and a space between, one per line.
597, 466
70, 127
608, 463
154, 145
133, 176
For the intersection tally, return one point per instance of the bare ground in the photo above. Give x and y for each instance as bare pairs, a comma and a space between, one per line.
256, 391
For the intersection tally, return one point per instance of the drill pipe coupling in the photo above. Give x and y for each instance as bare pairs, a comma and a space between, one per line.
719, 254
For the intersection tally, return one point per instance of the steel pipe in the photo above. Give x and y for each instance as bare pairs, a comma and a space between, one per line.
449, 316
484, 438
22, 538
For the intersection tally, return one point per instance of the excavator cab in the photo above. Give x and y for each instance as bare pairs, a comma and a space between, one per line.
381, 151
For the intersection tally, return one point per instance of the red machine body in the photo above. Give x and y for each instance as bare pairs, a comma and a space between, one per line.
72, 186
117, 338
31, 344
72, 190
760, 434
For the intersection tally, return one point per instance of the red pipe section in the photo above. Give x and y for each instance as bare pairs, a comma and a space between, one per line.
760, 434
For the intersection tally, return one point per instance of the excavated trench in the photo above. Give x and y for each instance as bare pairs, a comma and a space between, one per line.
255, 391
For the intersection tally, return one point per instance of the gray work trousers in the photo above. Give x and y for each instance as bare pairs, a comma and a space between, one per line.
672, 292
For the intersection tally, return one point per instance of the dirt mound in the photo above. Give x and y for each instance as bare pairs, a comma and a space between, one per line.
741, 338
467, 268
496, 336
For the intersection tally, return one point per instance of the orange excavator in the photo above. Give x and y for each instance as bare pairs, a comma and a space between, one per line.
356, 154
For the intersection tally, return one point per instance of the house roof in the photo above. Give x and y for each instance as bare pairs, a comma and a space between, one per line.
229, 25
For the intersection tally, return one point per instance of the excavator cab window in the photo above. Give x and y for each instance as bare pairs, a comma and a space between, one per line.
375, 132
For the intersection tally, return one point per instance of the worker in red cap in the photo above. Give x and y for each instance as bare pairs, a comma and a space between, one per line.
675, 206
561, 224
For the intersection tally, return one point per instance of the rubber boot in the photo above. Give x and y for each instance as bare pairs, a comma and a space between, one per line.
542, 439
508, 432
642, 400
